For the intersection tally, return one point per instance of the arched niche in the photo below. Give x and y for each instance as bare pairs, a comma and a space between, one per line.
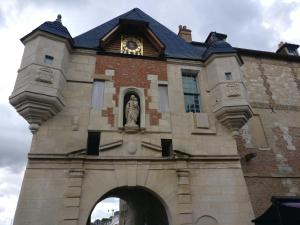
206, 220
139, 206
139, 93
127, 97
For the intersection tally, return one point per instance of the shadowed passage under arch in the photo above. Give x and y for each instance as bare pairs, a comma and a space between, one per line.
138, 206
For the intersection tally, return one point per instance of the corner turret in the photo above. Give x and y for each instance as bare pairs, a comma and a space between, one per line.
229, 99
37, 95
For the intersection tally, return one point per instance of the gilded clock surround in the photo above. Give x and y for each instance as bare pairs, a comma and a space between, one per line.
131, 45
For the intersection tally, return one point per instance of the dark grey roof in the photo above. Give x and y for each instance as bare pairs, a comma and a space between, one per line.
176, 47
53, 27
218, 47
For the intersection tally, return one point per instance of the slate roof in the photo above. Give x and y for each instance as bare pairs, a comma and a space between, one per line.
53, 27
176, 47
218, 47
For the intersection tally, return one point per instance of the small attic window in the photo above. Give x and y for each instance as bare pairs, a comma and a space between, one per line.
228, 76
292, 51
93, 142
167, 147
48, 59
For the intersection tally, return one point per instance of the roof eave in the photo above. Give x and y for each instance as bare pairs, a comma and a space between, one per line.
266, 54
234, 53
38, 32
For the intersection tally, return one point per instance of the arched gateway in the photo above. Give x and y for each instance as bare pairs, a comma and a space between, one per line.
139, 206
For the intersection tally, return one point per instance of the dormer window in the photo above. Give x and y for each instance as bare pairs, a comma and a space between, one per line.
292, 52
288, 49
132, 37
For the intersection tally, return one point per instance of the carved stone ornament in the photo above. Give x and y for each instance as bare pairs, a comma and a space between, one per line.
45, 75
132, 111
233, 90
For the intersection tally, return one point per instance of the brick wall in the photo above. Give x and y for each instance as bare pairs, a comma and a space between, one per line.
273, 172
272, 83
274, 94
132, 72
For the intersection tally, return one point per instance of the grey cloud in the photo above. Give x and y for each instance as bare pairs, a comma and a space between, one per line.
10, 182
2, 17
279, 12
53, 3
111, 200
15, 139
240, 20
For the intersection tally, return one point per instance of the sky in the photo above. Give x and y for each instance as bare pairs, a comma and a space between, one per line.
254, 24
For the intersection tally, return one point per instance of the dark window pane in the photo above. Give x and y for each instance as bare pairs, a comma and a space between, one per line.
191, 94
228, 76
189, 84
192, 103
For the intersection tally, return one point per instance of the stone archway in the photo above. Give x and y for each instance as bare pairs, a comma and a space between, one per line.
139, 206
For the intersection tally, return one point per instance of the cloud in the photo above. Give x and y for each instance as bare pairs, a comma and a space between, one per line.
104, 208
2, 18
10, 185
15, 139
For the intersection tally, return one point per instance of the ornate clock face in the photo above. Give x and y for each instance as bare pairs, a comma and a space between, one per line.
131, 45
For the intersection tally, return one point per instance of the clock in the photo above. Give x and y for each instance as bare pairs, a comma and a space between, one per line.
131, 45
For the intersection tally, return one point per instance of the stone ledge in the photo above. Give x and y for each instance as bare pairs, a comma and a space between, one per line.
42, 157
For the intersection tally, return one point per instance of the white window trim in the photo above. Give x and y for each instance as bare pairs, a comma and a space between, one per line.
101, 96
167, 109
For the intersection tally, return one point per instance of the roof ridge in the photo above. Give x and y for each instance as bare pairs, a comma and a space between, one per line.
137, 10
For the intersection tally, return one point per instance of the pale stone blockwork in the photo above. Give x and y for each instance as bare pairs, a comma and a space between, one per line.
187, 162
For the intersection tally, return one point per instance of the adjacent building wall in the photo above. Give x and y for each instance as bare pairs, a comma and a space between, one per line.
273, 134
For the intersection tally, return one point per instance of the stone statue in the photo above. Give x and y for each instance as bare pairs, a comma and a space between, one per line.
132, 112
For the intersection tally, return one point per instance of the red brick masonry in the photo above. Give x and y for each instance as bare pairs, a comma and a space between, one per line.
262, 173
132, 72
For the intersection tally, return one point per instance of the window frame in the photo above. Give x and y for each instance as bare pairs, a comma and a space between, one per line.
166, 107
48, 59
97, 101
228, 76
197, 96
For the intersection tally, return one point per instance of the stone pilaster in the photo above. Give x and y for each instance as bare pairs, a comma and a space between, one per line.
73, 195
184, 198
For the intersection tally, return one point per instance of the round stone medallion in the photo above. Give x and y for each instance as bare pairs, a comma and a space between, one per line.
131, 147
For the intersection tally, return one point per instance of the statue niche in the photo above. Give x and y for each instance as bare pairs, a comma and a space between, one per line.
131, 115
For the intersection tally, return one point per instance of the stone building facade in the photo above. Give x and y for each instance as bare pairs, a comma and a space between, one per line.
217, 129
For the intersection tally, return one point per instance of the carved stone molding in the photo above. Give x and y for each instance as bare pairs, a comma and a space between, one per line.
38, 97
233, 90
45, 75
36, 108
234, 117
